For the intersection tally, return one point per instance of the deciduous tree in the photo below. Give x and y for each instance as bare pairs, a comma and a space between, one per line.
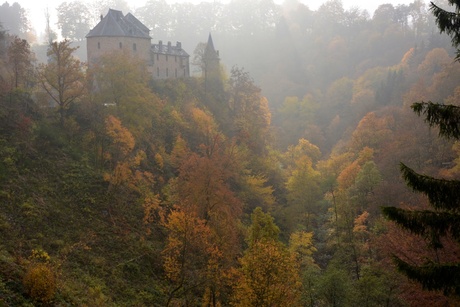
73, 20
62, 77
268, 274
20, 62
188, 252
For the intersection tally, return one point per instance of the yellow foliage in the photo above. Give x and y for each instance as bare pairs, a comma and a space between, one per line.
39, 282
302, 151
269, 277
188, 236
40, 255
121, 136
301, 244
140, 156
179, 152
204, 122
256, 190
121, 174
159, 160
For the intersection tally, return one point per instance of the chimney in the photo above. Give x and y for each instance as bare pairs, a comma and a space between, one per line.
217, 52
169, 46
178, 45
160, 45
102, 17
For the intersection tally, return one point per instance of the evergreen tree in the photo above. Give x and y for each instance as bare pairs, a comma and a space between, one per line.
444, 195
449, 22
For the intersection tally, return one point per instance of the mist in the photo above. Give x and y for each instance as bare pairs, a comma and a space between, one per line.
221, 153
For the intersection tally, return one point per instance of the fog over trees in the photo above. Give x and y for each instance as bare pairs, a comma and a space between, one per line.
257, 181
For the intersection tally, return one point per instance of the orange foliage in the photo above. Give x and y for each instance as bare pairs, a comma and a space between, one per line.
371, 131
411, 248
408, 56
360, 223
348, 175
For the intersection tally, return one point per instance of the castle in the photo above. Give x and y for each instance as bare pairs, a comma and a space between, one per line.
128, 34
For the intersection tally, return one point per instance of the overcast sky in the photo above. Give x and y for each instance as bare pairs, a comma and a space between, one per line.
36, 8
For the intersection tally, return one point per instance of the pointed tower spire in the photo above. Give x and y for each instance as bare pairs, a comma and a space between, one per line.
210, 44
210, 52
211, 68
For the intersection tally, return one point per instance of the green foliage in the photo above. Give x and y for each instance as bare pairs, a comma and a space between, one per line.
374, 288
334, 287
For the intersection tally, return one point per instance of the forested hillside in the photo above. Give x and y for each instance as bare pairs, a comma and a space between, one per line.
261, 186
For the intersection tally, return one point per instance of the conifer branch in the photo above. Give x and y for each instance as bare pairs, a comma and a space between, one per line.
429, 224
445, 117
432, 276
443, 194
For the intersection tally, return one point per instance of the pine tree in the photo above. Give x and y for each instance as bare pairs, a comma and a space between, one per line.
444, 195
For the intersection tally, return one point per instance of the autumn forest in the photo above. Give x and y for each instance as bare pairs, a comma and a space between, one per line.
261, 185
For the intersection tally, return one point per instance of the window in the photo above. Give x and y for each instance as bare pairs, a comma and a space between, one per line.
134, 47
121, 45
98, 45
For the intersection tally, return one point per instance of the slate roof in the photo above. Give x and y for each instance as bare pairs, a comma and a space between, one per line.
115, 24
169, 49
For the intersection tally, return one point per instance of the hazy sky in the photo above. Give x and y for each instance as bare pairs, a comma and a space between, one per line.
36, 8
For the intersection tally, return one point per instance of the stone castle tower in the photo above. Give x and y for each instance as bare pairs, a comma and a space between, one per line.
116, 32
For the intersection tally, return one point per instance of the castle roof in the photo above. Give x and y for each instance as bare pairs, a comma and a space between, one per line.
115, 24
169, 49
